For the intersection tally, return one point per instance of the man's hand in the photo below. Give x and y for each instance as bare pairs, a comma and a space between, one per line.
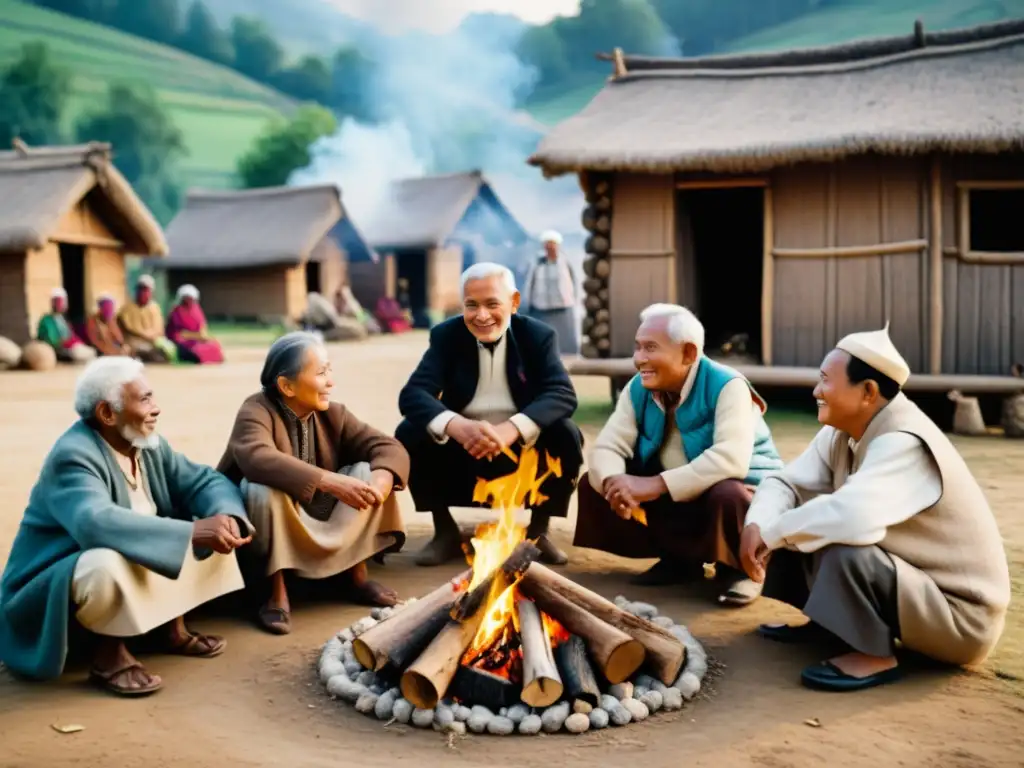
479, 438
383, 481
626, 492
507, 433
355, 493
753, 553
219, 533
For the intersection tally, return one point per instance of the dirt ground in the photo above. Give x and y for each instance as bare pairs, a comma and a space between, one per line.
259, 705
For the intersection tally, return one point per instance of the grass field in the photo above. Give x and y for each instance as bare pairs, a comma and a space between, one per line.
218, 111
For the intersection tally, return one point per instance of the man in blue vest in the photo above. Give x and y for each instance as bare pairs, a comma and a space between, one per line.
673, 470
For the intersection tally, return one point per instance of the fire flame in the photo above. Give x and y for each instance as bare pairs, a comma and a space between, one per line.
494, 542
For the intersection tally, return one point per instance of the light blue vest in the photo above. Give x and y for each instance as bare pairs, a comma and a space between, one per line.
695, 419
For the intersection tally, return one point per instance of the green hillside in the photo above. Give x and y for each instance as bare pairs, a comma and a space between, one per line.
218, 111
835, 23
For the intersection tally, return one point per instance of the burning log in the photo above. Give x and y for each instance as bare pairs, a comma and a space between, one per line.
542, 685
404, 636
554, 593
470, 604
478, 686
578, 677
425, 682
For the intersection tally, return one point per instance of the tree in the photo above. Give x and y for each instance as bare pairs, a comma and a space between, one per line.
158, 20
352, 83
284, 147
204, 38
33, 94
257, 53
146, 143
307, 80
543, 48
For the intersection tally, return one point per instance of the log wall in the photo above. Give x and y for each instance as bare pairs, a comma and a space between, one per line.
14, 315
261, 293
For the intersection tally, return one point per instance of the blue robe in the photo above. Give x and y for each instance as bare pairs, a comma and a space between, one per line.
81, 502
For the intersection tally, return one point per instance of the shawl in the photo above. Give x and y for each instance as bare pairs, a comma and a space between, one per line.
302, 435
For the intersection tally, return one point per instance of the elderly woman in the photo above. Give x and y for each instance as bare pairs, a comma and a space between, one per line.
102, 331
186, 327
319, 483
143, 325
55, 330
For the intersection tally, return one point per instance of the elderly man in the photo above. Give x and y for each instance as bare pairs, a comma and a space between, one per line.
878, 532
127, 533
671, 472
490, 379
551, 293
55, 331
143, 325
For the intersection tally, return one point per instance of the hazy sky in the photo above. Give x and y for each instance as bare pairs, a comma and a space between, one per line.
441, 15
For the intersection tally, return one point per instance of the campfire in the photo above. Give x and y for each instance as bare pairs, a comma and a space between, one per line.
510, 634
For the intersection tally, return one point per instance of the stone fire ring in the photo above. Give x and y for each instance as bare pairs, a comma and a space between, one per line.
345, 678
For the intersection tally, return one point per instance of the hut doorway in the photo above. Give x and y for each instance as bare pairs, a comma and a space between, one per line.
726, 249
72, 270
312, 277
411, 267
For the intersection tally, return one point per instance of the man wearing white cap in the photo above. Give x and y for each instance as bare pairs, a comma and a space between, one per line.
551, 293
878, 532
143, 325
55, 330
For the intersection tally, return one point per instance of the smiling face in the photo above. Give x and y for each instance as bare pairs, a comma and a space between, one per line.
842, 404
487, 306
311, 389
662, 363
136, 419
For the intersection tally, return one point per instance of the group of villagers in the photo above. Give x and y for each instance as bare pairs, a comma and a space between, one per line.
136, 330
878, 532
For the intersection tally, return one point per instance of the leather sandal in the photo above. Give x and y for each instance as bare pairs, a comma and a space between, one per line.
277, 621
105, 680
199, 646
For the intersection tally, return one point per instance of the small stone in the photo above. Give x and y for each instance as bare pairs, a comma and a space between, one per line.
663, 621
422, 718
577, 723
531, 725
609, 702
379, 614
660, 687
681, 633
517, 713
444, 717
622, 691
363, 624
697, 666
385, 708
367, 703
621, 602
643, 610
332, 648
644, 681
402, 711
457, 727
688, 684
450, 703
672, 700
461, 713
500, 726
638, 692
598, 719
367, 678
637, 709
481, 710
345, 688
581, 707
329, 668
478, 723
347, 635
620, 715
503, 712
554, 717
653, 701
353, 669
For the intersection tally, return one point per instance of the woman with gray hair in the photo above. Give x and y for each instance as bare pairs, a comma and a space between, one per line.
318, 482
187, 328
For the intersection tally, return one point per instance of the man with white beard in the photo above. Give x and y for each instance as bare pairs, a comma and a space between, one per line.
125, 532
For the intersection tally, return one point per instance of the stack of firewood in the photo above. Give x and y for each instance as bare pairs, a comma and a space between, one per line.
597, 219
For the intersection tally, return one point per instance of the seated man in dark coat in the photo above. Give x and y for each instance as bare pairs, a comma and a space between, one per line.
490, 379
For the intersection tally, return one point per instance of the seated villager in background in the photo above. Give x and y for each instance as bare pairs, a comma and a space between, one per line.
551, 293
103, 332
322, 316
878, 532
318, 482
489, 380
187, 328
55, 330
686, 443
143, 325
392, 316
347, 305
123, 531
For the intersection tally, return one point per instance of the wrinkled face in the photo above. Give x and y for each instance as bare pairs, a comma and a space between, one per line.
311, 389
59, 304
841, 403
487, 306
142, 295
136, 420
662, 363
551, 249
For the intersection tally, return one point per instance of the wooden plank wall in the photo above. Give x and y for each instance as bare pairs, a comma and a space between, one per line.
333, 266
244, 294
104, 273
295, 291
42, 275
643, 243
983, 304
444, 280
861, 202
14, 315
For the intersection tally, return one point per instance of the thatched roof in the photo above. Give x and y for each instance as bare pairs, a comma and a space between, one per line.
228, 229
38, 185
960, 91
423, 212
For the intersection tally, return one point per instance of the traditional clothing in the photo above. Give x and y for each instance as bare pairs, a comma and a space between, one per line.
120, 557
143, 327
710, 449
909, 546
551, 295
278, 460
54, 330
391, 316
184, 322
321, 316
105, 335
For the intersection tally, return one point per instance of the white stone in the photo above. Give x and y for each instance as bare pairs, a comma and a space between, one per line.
481, 710
638, 692
367, 703
637, 709
621, 602
332, 649
367, 678
554, 717
620, 715
345, 689
688, 685
644, 681
443, 716
663, 621
500, 726
598, 719
653, 701
329, 668
517, 713
577, 723
379, 614
457, 727
363, 624
386, 704
422, 718
402, 711
672, 700
622, 691
660, 687
697, 665
580, 707
609, 702
347, 634
462, 713
643, 610
478, 723
531, 724
503, 712
353, 669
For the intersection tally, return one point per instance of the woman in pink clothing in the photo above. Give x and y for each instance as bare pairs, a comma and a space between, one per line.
186, 327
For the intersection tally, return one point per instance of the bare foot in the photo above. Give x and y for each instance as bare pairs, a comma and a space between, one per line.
368, 592
861, 665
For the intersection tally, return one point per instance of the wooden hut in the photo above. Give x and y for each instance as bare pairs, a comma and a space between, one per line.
428, 231
67, 218
798, 196
255, 254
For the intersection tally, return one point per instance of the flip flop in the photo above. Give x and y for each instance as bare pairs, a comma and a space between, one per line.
105, 680
826, 676
197, 648
741, 592
789, 633
277, 621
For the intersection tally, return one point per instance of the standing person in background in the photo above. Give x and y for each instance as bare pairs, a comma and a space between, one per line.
552, 294
143, 325
187, 328
55, 331
102, 331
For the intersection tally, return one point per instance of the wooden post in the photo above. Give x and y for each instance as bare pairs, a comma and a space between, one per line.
935, 268
767, 279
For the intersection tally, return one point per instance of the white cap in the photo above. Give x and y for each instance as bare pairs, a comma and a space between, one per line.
188, 291
104, 297
877, 350
58, 293
146, 281
550, 236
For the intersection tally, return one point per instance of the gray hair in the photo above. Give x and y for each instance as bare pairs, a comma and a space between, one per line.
103, 381
683, 327
286, 357
484, 269
188, 291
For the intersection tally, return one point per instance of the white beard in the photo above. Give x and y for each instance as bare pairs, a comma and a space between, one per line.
138, 440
